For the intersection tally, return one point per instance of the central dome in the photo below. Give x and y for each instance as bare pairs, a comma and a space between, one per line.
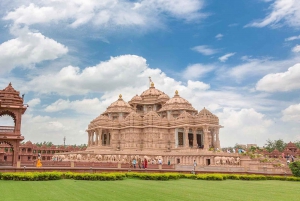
151, 92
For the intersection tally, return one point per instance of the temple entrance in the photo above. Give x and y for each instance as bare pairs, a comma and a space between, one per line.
190, 136
199, 140
105, 139
180, 138
208, 161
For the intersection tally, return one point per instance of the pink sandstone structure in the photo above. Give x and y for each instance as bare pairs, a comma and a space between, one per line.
11, 104
153, 125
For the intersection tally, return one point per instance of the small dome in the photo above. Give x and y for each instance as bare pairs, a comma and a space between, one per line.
208, 117
177, 103
119, 106
136, 98
163, 97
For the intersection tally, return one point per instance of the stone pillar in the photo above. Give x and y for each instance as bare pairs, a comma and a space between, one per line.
206, 139
186, 137
88, 138
195, 145
97, 134
218, 139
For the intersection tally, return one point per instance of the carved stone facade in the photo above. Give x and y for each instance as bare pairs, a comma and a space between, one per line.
11, 104
153, 122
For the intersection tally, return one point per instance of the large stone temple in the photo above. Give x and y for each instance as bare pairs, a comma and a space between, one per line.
153, 123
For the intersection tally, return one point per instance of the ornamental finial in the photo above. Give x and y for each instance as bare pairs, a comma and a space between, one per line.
120, 96
176, 92
152, 84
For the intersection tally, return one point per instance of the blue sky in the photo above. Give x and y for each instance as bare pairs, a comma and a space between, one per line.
239, 59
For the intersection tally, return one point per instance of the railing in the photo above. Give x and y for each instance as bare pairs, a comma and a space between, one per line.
7, 129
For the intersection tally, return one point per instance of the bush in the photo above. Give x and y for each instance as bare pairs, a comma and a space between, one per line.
32, 176
295, 168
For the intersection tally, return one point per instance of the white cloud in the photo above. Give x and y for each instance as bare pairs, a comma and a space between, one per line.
296, 49
292, 38
105, 13
286, 81
285, 12
28, 49
197, 70
39, 128
197, 85
292, 113
219, 36
243, 126
34, 102
254, 67
80, 106
205, 50
225, 57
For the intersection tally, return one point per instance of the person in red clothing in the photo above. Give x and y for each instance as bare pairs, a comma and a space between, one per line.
145, 163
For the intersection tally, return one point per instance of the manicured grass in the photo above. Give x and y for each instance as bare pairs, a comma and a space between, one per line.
135, 189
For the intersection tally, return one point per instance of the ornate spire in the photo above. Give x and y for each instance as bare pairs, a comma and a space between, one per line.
120, 96
176, 93
152, 84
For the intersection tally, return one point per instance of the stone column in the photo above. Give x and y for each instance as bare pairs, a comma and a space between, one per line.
93, 133
218, 139
99, 136
206, 133
89, 138
195, 145
186, 137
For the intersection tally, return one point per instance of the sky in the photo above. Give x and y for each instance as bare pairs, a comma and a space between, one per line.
240, 59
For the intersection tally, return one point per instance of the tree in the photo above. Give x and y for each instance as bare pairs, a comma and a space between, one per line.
276, 144
297, 143
295, 168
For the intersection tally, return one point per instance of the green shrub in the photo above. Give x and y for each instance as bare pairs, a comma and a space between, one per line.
295, 168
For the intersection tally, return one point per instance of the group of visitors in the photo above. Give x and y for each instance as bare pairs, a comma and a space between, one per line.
141, 163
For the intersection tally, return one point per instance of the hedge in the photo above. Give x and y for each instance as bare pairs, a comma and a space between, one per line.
44, 176
295, 168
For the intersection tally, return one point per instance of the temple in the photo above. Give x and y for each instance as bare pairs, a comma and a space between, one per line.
153, 122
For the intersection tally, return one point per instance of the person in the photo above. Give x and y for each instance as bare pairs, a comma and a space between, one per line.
195, 164
169, 162
233, 150
288, 159
133, 162
145, 163
159, 161
139, 162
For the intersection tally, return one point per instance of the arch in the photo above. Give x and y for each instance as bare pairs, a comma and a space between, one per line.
9, 113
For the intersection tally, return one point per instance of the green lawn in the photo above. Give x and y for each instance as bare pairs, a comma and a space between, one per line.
134, 189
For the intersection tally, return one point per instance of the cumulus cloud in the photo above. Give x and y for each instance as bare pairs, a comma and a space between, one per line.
243, 126
225, 57
286, 81
219, 36
40, 128
34, 102
28, 49
283, 12
262, 67
205, 50
292, 113
80, 106
197, 70
197, 85
292, 38
105, 13
296, 49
